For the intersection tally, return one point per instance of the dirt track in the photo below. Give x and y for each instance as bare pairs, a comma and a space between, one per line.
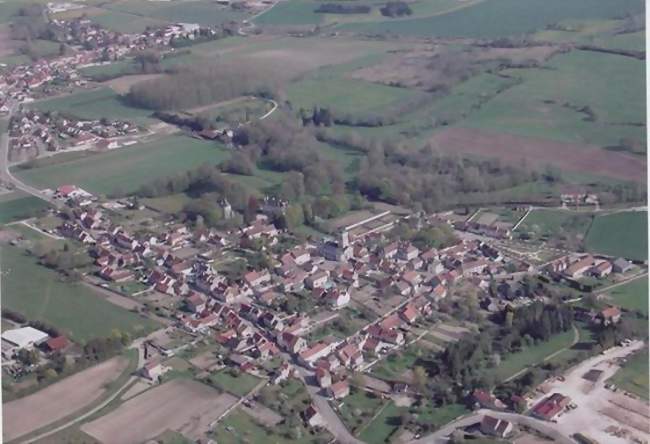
59, 400
541, 152
180, 405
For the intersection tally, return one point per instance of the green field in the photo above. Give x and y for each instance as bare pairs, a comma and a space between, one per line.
125, 170
95, 104
633, 376
548, 223
238, 385
547, 101
37, 292
358, 408
515, 362
17, 205
395, 364
499, 18
632, 295
620, 234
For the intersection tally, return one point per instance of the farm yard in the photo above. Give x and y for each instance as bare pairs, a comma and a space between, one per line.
75, 309
60, 399
125, 170
181, 405
620, 234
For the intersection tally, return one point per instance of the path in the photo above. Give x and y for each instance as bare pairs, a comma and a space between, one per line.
623, 282
530, 209
136, 344
576, 338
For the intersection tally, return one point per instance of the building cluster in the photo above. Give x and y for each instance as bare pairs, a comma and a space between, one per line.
34, 130
578, 266
92, 45
28, 339
245, 314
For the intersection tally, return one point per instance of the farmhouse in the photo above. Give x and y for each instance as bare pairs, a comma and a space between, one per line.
19, 338
551, 407
609, 315
495, 427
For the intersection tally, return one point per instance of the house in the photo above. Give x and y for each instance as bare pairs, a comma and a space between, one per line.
195, 303
317, 280
282, 373
579, 268
609, 315
407, 252
292, 343
492, 426
115, 274
312, 417
601, 270
55, 344
621, 265
350, 356
310, 355
549, 408
323, 377
339, 390
153, 370
257, 278
409, 313
336, 298
487, 400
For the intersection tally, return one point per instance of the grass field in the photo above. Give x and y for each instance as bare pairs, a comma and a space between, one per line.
499, 18
632, 295
546, 223
126, 169
516, 362
620, 234
358, 408
633, 376
546, 103
394, 366
17, 205
38, 293
95, 104
238, 385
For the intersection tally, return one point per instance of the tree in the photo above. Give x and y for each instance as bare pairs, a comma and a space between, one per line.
420, 378
27, 357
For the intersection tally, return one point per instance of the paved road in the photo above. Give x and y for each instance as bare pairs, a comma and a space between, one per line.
6, 176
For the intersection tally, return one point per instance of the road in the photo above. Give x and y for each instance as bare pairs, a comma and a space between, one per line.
7, 177
332, 421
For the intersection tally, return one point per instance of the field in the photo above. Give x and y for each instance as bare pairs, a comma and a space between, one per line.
620, 234
181, 405
539, 153
547, 223
498, 18
548, 102
18, 205
396, 364
37, 293
358, 408
60, 399
238, 385
632, 295
633, 376
95, 104
532, 355
125, 170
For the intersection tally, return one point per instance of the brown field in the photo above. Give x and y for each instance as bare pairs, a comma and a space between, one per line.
121, 85
425, 66
59, 400
7, 45
540, 153
181, 405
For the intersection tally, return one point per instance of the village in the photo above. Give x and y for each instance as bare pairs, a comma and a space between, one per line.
262, 299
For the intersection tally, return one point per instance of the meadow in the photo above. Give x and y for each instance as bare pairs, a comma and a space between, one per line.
95, 104
632, 295
547, 222
633, 376
18, 205
620, 234
549, 103
124, 170
75, 309
499, 18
